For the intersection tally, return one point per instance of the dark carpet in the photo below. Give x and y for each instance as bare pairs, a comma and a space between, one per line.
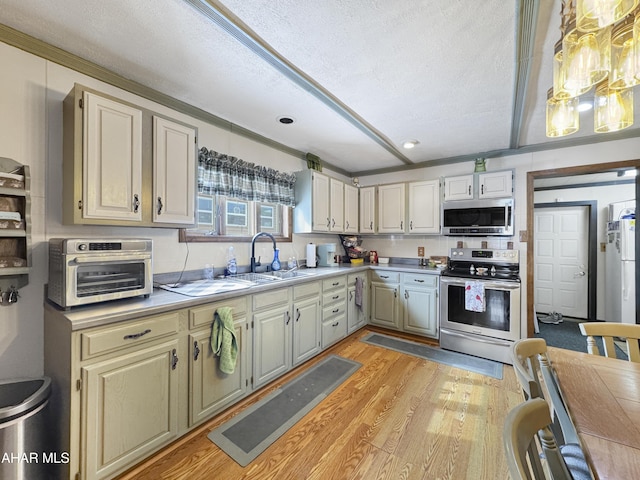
567, 335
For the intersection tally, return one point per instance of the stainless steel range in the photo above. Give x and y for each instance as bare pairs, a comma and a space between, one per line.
487, 324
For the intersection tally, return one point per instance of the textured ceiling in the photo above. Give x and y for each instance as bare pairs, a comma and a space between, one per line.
442, 72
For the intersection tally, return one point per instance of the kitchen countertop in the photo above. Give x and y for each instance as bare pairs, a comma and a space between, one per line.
162, 301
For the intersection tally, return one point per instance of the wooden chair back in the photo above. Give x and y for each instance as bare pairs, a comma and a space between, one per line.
522, 425
607, 331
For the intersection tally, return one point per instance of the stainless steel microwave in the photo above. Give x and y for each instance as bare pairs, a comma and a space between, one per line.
478, 218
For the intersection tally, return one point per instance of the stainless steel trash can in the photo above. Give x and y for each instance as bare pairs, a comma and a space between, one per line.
23, 433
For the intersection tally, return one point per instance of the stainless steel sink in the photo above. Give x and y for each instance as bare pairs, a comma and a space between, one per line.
255, 278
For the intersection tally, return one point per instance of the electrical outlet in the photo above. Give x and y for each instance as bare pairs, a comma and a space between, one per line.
421, 251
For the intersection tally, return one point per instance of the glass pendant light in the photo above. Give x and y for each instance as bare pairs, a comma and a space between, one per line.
562, 115
581, 57
592, 15
560, 89
623, 56
612, 108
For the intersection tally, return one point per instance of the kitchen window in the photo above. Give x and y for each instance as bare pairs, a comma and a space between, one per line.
237, 199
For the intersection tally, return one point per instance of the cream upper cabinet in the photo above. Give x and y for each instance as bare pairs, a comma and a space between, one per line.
458, 188
424, 207
124, 165
336, 205
368, 210
350, 209
495, 184
111, 160
391, 208
174, 172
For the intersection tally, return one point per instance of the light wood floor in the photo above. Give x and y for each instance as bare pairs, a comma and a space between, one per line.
397, 417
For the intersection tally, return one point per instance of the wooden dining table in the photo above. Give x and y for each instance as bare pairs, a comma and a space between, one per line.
602, 396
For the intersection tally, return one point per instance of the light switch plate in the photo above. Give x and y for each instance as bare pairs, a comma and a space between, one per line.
421, 251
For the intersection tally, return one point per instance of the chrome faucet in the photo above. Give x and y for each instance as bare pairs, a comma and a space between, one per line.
253, 248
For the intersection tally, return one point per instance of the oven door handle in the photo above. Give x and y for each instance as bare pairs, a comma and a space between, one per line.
487, 284
110, 259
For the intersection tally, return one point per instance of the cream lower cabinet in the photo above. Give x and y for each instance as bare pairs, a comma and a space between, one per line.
385, 301
334, 310
272, 354
131, 408
210, 389
420, 304
306, 321
405, 301
357, 315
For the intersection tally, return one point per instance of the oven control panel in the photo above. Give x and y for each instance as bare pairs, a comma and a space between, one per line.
488, 255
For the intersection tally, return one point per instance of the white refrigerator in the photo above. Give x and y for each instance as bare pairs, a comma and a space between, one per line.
620, 291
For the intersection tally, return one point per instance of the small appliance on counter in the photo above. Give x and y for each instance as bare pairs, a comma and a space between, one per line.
84, 271
327, 255
311, 255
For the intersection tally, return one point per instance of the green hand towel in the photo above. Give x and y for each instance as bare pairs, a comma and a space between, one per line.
223, 339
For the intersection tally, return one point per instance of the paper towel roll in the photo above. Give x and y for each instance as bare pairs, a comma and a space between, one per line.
311, 255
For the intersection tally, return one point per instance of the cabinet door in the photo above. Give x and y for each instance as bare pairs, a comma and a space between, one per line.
320, 204
368, 210
458, 188
306, 330
212, 390
350, 209
336, 205
174, 172
130, 408
420, 310
424, 207
385, 305
272, 344
495, 184
111, 159
391, 208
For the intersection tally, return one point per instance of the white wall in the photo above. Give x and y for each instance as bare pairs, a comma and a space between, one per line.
31, 95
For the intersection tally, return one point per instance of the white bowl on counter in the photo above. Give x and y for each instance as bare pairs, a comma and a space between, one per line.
383, 260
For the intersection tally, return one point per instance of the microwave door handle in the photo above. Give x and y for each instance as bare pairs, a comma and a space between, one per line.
118, 259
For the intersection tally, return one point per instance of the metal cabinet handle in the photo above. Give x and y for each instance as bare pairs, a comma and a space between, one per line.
328, 222
335, 297
482, 189
395, 293
160, 205
347, 227
196, 350
335, 310
384, 276
350, 295
406, 294
136, 203
297, 314
288, 317
418, 280
401, 224
371, 226
335, 324
335, 284
469, 189
333, 222
411, 225
174, 359
135, 336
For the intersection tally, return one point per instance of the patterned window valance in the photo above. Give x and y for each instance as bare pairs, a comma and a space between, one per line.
221, 174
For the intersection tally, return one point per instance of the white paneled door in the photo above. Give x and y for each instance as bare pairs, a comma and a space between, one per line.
561, 260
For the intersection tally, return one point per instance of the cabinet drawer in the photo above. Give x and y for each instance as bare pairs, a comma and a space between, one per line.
270, 298
334, 330
333, 311
330, 298
427, 281
334, 283
111, 339
385, 276
306, 290
203, 315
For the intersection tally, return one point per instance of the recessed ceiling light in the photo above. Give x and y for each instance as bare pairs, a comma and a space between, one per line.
410, 143
286, 120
